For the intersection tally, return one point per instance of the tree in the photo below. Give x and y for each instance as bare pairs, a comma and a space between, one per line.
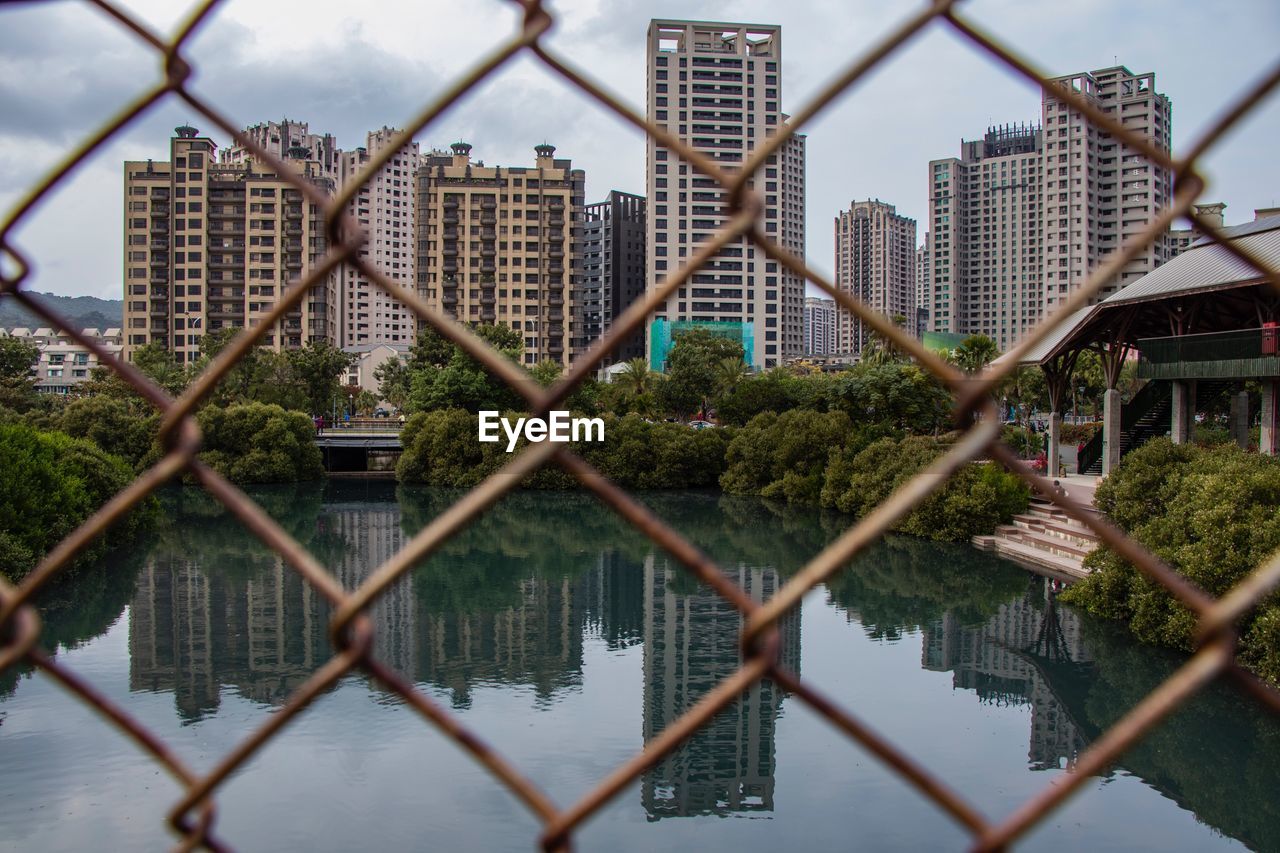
900, 395
51, 483
17, 389
445, 377
691, 369
159, 365
318, 367
16, 358
976, 352
394, 378
635, 376
729, 374
257, 443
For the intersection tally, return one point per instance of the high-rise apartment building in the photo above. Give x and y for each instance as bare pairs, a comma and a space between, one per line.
498, 244
1026, 214
819, 326
923, 254
718, 87
986, 236
284, 140
210, 245
613, 270
875, 261
384, 207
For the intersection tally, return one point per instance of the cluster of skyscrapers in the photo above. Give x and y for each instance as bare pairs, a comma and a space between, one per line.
1017, 221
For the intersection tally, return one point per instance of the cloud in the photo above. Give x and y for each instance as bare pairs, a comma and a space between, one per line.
65, 68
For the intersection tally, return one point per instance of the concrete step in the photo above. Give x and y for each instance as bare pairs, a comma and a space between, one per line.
1026, 554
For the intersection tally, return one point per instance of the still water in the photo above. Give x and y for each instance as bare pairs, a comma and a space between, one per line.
567, 641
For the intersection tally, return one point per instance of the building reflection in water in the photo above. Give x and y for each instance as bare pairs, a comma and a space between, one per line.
512, 605
1022, 655
691, 642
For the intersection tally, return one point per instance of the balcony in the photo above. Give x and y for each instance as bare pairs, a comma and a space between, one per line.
488, 297
450, 219
449, 250
293, 230
449, 266
293, 211
488, 219
1241, 354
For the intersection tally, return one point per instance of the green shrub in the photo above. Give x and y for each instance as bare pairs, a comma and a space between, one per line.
440, 449
259, 443
1070, 434
1023, 441
51, 483
112, 424
784, 455
1213, 514
973, 501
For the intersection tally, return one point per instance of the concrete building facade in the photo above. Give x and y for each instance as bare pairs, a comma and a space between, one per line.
613, 270
985, 236
499, 245
875, 262
385, 208
1026, 214
819, 326
211, 245
64, 363
718, 87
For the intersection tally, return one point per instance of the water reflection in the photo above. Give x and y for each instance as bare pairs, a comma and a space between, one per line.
514, 600
691, 645
1023, 655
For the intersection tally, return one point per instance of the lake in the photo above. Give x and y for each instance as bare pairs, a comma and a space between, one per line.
567, 640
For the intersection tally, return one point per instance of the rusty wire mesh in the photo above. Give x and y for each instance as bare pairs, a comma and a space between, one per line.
192, 818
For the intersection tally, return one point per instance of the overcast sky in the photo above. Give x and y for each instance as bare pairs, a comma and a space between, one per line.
347, 68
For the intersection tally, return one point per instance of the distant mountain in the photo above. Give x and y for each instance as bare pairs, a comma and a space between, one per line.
84, 312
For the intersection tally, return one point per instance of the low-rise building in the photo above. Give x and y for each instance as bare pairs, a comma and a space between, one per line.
64, 362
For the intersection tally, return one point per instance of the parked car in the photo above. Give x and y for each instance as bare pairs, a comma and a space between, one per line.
381, 413
701, 424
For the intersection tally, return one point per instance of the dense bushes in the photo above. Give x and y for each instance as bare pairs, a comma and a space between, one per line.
51, 483
785, 456
810, 457
1212, 514
440, 449
973, 500
257, 443
113, 425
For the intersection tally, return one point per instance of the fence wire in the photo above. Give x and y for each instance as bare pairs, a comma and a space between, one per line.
193, 817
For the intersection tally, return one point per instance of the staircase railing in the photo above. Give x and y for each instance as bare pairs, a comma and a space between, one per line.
1153, 394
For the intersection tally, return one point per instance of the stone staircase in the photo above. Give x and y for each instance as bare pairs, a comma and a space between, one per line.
1045, 539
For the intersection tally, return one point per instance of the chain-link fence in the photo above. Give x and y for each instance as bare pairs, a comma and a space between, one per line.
193, 817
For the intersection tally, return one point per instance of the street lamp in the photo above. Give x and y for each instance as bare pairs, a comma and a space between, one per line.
351, 405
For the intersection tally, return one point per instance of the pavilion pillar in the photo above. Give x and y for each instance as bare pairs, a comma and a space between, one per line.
1267, 435
1240, 419
1052, 451
1110, 431
1184, 410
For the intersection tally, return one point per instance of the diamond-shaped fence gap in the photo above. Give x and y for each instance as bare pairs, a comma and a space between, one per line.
379, 765
103, 727
44, 38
